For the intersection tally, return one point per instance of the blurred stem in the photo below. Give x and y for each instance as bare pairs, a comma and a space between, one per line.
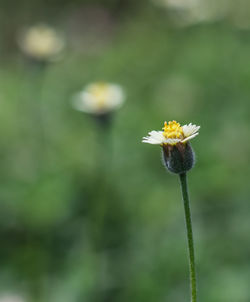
38, 72
101, 215
104, 129
184, 187
101, 202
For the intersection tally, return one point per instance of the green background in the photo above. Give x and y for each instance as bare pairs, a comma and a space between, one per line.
87, 215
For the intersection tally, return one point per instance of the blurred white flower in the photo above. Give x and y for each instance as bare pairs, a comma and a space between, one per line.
11, 298
99, 98
41, 42
180, 4
188, 12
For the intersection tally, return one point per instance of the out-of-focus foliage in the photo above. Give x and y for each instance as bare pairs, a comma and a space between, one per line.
92, 215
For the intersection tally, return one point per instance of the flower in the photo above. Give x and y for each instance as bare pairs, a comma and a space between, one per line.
188, 12
172, 134
11, 298
177, 152
41, 42
99, 98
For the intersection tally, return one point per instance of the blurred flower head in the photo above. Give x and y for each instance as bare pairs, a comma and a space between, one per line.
180, 4
11, 298
188, 12
172, 134
99, 98
41, 42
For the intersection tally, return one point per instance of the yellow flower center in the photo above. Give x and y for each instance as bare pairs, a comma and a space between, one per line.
173, 130
100, 92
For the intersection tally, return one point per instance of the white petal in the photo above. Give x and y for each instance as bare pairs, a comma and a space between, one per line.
83, 102
172, 141
154, 137
116, 95
157, 134
190, 129
190, 137
150, 141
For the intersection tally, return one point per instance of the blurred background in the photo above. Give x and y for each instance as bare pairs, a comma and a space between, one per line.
88, 212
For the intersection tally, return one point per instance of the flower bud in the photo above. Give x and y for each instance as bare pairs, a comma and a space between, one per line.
178, 158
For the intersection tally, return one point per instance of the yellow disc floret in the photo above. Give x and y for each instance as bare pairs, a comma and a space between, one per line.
100, 91
173, 130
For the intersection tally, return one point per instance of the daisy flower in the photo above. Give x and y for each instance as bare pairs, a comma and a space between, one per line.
178, 158
178, 155
41, 42
99, 98
172, 134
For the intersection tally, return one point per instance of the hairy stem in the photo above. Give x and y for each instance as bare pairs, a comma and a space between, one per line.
184, 187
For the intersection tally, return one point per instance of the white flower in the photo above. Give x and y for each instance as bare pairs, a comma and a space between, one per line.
180, 4
11, 298
188, 12
99, 98
172, 134
41, 42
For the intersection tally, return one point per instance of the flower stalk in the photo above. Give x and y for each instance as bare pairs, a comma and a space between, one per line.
188, 218
178, 158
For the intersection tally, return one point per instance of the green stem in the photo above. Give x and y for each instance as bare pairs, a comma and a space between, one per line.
184, 187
